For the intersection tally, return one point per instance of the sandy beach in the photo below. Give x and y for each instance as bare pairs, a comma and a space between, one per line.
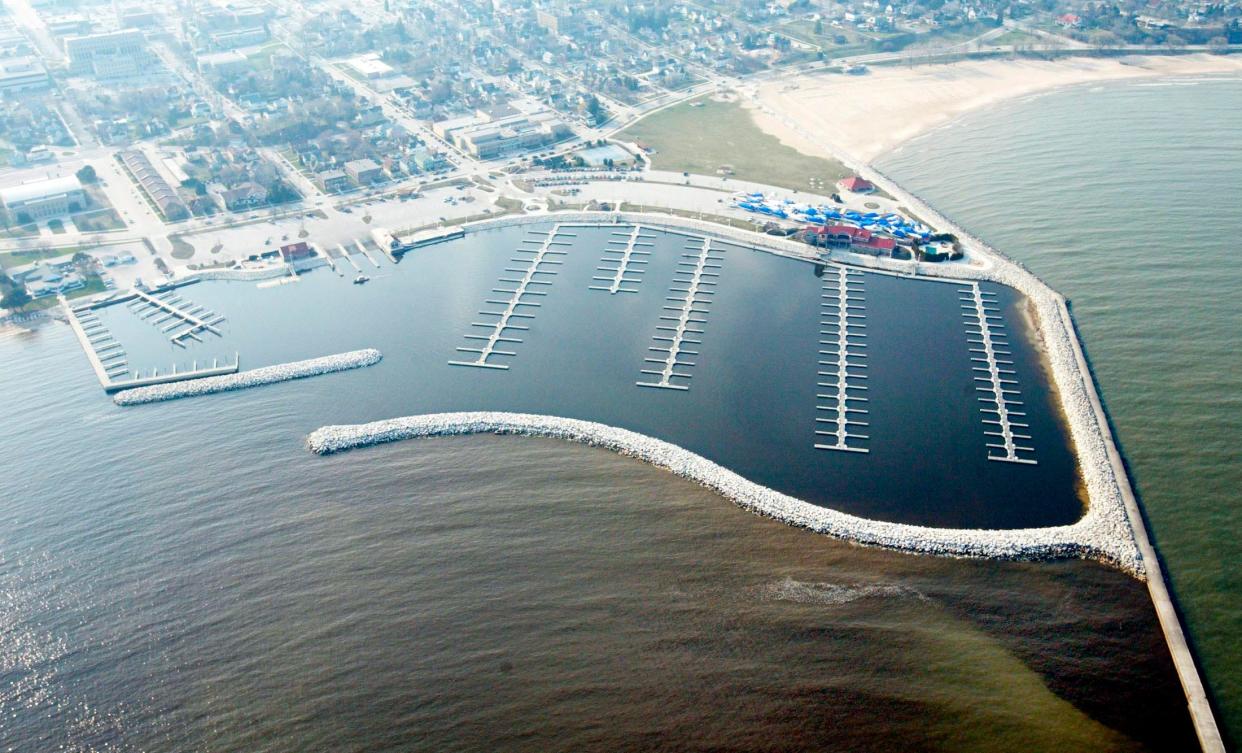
862, 117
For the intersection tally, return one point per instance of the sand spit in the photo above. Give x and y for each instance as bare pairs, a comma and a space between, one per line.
284, 372
862, 117
1095, 536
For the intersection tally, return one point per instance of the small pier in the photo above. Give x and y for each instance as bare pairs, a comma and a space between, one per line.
840, 411
363, 250
345, 255
624, 250
1000, 401
534, 273
683, 323
109, 361
180, 319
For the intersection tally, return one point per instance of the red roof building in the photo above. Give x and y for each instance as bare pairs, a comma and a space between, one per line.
296, 251
1069, 21
856, 184
854, 237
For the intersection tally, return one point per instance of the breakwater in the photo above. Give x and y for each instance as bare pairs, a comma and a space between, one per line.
1094, 536
254, 378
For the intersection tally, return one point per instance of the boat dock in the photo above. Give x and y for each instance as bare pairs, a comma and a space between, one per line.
534, 273
842, 362
107, 356
345, 254
619, 262
363, 250
170, 312
682, 326
995, 377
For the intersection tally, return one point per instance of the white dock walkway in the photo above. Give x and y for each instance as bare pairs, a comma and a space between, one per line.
842, 362
698, 274
620, 261
170, 312
535, 273
994, 375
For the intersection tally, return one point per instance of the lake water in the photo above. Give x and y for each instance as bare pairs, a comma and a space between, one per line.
186, 576
1128, 200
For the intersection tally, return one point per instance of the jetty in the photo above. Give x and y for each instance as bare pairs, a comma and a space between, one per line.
698, 274
842, 362
534, 273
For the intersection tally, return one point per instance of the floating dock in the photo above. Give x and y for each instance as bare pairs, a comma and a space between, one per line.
1003, 421
170, 311
619, 262
683, 322
842, 362
108, 358
534, 273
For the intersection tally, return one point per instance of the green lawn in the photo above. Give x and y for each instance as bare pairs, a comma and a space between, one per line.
702, 139
10, 259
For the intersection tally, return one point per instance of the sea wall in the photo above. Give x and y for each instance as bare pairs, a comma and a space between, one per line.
255, 377
254, 273
1092, 537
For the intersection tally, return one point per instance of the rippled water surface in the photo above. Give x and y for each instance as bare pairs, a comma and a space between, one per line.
1128, 199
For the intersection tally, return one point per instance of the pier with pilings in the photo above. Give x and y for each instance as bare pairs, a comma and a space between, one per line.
538, 267
840, 399
181, 320
1004, 419
623, 262
684, 315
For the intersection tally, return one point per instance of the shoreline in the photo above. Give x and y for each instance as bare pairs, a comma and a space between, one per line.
843, 110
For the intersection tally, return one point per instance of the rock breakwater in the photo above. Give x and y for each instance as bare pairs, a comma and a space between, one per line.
1095, 536
284, 372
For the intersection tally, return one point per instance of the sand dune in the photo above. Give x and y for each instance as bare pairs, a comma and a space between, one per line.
862, 117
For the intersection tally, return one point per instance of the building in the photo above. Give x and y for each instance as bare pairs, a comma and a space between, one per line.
1069, 21
855, 184
364, 171
110, 55
856, 238
23, 74
557, 22
495, 134
231, 25
334, 181
369, 66
43, 199
426, 160
224, 63
153, 185
239, 199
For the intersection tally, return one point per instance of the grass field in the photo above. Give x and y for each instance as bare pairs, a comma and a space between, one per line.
704, 138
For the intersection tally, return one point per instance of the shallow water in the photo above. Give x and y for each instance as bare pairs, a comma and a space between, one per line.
1127, 199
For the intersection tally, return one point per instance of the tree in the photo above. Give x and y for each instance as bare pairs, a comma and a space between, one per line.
87, 174
819, 27
15, 300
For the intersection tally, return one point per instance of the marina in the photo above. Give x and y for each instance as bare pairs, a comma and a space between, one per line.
682, 325
840, 409
995, 377
625, 255
536, 264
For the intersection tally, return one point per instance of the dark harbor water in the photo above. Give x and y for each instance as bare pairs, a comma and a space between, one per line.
752, 399
186, 577
1128, 200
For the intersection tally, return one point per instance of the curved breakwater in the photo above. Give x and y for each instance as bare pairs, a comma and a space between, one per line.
1095, 536
255, 377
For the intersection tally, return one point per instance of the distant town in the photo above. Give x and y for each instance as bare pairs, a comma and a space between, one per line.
136, 139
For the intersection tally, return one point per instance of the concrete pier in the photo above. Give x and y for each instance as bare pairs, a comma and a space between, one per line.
619, 262
842, 362
536, 265
1004, 425
363, 250
698, 276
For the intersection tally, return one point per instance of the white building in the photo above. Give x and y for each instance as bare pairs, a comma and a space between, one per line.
43, 199
110, 55
22, 74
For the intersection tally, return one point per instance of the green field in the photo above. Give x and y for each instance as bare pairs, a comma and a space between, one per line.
702, 139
